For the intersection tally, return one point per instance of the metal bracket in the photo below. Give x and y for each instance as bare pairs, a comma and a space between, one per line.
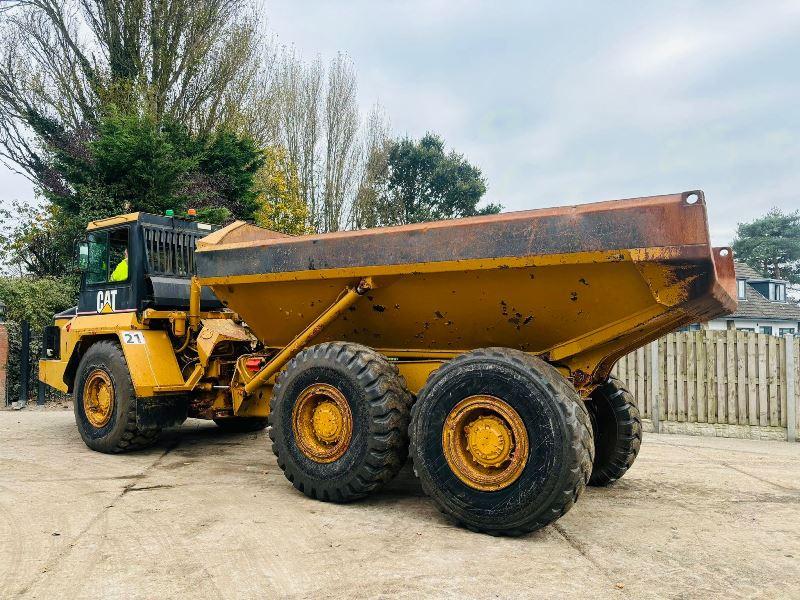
346, 299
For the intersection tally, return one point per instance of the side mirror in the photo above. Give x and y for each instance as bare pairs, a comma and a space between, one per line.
82, 257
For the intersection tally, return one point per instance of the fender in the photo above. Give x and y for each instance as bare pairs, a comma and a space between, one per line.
151, 361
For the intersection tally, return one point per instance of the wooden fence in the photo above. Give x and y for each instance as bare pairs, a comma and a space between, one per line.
721, 377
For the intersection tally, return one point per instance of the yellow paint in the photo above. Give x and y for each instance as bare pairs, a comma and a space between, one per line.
153, 365
216, 331
416, 372
118, 220
322, 423
345, 300
579, 311
254, 405
485, 443
98, 398
573, 309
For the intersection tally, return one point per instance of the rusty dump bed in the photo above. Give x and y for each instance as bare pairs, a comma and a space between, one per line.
579, 285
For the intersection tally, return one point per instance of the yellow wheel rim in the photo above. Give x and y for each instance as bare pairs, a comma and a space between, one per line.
485, 443
322, 423
98, 398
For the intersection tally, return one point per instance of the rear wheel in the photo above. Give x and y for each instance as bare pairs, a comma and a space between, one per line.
501, 441
241, 424
617, 431
339, 419
105, 402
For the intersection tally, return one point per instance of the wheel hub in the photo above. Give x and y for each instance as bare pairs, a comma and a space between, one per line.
327, 422
485, 443
322, 423
489, 441
98, 398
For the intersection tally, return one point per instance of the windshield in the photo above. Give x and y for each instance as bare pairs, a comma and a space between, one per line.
107, 258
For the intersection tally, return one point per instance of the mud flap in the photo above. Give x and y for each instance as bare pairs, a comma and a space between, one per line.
160, 412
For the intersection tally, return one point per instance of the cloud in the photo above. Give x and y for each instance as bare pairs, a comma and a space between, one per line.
573, 102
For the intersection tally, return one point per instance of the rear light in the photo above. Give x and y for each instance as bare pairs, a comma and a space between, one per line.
254, 364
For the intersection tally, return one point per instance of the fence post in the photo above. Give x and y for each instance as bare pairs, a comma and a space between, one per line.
655, 409
24, 362
791, 390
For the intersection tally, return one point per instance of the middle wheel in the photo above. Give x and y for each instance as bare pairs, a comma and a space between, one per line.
339, 415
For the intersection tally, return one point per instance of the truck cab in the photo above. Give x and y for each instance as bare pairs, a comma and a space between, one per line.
138, 261
128, 351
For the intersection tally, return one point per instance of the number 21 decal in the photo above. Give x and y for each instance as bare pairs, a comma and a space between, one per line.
132, 337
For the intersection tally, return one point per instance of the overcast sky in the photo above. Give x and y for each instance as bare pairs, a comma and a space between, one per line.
568, 102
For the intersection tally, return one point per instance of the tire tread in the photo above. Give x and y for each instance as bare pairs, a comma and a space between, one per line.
133, 437
609, 468
577, 471
389, 405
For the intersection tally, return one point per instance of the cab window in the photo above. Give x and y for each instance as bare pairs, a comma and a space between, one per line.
106, 256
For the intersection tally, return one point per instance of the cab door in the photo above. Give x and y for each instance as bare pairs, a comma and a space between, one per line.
108, 282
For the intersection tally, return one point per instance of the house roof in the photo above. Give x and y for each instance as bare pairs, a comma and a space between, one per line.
745, 270
756, 306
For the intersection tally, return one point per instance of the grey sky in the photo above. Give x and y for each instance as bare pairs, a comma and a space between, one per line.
563, 102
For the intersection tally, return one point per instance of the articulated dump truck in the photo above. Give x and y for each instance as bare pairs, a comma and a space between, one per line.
481, 346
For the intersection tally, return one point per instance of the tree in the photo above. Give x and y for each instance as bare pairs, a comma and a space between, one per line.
374, 204
132, 163
35, 240
319, 129
111, 106
771, 245
281, 207
412, 181
62, 63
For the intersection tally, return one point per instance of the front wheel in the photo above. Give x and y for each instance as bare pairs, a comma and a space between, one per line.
105, 402
501, 441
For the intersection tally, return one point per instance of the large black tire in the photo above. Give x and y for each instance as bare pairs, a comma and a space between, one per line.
121, 433
617, 430
560, 453
241, 424
380, 405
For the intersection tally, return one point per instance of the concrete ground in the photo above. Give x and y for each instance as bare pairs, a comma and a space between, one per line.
210, 515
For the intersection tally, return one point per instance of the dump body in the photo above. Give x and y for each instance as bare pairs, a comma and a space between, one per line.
579, 285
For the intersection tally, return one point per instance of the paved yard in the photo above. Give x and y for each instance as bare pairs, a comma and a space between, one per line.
209, 515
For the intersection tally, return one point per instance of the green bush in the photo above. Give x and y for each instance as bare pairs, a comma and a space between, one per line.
35, 300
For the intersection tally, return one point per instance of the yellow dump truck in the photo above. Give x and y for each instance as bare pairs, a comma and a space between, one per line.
481, 346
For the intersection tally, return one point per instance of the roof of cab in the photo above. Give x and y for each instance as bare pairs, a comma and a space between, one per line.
150, 219
118, 220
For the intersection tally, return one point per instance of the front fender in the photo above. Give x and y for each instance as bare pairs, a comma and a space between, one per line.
151, 361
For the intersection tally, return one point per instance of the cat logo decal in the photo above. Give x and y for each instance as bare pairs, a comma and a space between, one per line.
106, 301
